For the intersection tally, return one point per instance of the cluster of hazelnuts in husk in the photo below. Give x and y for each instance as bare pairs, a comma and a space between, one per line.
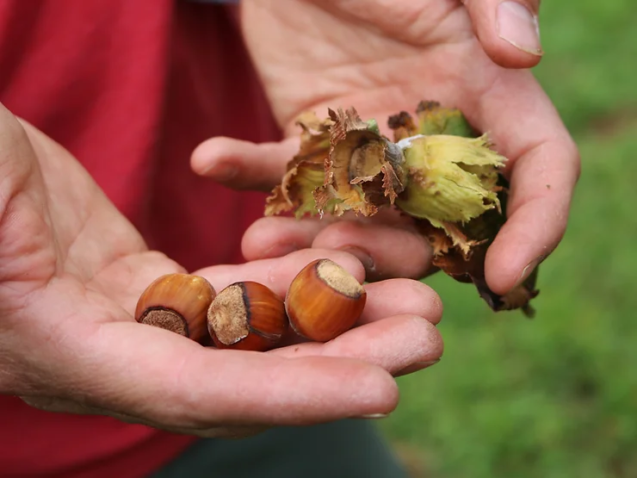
322, 302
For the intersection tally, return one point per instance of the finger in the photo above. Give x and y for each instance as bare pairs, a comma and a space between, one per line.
276, 236
243, 165
396, 343
57, 405
387, 246
544, 168
163, 378
232, 433
508, 30
394, 297
390, 298
401, 297
270, 237
277, 274
385, 251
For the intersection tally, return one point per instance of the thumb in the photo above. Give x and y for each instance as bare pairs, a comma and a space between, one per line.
508, 30
243, 165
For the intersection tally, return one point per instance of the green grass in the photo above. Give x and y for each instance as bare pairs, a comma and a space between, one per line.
555, 397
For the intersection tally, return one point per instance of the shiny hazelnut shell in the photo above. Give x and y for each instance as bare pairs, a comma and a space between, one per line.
324, 300
247, 316
177, 302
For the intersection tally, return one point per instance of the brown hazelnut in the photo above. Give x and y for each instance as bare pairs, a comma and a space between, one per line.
177, 302
324, 300
247, 316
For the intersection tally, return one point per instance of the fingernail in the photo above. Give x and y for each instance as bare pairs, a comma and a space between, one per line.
518, 26
526, 272
415, 367
223, 172
362, 255
375, 416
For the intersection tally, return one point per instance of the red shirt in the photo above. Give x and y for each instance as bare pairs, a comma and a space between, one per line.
130, 88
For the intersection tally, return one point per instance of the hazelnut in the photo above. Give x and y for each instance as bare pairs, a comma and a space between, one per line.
247, 316
324, 300
177, 302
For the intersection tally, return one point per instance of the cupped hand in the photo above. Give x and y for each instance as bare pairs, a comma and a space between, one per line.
383, 57
71, 271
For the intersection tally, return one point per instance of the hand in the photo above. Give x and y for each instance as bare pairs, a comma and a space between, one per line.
71, 271
384, 57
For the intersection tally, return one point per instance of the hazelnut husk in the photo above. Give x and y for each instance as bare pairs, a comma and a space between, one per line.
177, 302
438, 169
324, 300
247, 316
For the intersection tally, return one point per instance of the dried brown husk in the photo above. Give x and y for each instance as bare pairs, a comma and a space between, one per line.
362, 169
305, 172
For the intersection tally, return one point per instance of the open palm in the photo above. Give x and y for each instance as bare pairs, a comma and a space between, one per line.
384, 57
71, 271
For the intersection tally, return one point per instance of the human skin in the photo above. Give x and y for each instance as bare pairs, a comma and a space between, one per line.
383, 57
71, 271
67, 335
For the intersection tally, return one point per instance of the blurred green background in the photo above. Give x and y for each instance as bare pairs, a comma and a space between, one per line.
555, 397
